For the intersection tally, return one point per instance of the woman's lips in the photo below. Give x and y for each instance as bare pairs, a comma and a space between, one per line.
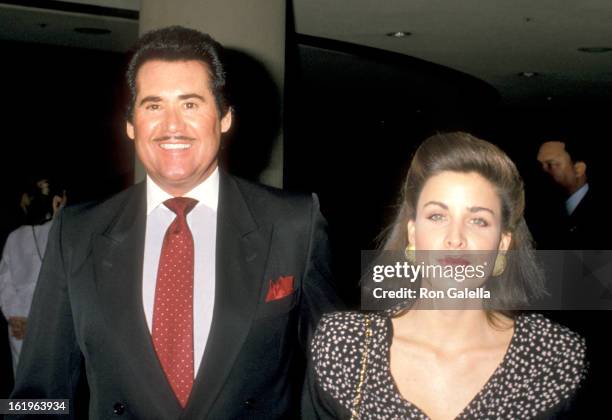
453, 261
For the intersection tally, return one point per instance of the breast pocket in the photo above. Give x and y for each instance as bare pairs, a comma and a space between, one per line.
277, 307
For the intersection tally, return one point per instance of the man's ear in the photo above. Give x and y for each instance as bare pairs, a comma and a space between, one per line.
580, 168
410, 227
129, 129
226, 121
505, 241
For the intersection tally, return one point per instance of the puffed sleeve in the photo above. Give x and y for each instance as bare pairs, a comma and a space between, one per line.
334, 363
8, 293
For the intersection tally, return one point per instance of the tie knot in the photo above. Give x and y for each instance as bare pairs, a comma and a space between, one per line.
181, 205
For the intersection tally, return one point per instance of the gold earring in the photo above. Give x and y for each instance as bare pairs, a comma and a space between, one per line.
410, 253
500, 265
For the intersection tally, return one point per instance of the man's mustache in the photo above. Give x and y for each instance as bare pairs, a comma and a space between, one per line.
164, 138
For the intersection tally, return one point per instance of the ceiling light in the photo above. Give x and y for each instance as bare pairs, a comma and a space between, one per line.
528, 74
399, 34
595, 50
92, 31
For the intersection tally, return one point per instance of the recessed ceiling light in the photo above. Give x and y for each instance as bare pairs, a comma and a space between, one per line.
528, 74
92, 31
399, 34
595, 50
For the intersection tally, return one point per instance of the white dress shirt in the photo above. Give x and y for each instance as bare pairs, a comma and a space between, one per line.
575, 199
202, 221
19, 269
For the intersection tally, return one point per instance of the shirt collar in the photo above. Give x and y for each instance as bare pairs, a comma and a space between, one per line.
575, 199
207, 193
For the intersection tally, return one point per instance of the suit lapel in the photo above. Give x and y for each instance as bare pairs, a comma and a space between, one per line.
118, 257
242, 249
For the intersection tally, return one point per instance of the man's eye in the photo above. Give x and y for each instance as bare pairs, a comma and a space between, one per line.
191, 105
152, 107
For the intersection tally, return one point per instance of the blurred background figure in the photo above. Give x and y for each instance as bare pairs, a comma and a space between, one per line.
572, 216
572, 221
22, 257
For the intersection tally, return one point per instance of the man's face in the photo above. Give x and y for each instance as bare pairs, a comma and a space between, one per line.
557, 163
43, 186
176, 126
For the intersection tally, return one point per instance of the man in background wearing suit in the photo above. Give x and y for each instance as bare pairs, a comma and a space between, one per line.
191, 295
566, 164
578, 223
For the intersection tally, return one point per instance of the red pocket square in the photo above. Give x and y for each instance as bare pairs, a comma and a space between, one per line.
280, 288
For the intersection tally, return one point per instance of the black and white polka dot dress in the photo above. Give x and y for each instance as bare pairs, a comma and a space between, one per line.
541, 371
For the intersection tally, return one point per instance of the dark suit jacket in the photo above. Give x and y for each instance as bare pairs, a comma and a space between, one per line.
88, 304
588, 226
587, 229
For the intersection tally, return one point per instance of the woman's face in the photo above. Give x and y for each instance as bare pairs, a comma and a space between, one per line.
458, 212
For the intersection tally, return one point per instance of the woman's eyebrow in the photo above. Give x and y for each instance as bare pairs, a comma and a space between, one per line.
436, 203
476, 209
473, 209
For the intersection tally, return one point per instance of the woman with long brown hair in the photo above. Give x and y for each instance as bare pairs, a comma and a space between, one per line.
462, 195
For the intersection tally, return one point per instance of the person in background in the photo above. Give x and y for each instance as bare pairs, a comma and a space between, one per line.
572, 217
22, 258
575, 221
461, 195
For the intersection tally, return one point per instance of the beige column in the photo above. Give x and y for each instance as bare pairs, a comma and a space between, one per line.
256, 27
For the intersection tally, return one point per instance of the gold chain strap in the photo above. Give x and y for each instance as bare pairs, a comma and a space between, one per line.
364, 365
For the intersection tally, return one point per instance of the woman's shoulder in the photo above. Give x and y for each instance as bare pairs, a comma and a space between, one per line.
556, 340
337, 350
341, 331
555, 354
348, 322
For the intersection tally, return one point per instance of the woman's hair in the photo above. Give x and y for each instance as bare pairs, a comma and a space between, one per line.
522, 280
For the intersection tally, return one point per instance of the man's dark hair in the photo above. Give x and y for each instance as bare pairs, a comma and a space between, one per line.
576, 149
176, 43
575, 143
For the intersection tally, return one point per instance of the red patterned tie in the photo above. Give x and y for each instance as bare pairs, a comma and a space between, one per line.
173, 310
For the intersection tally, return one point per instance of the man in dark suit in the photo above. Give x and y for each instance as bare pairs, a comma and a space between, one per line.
576, 224
191, 295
